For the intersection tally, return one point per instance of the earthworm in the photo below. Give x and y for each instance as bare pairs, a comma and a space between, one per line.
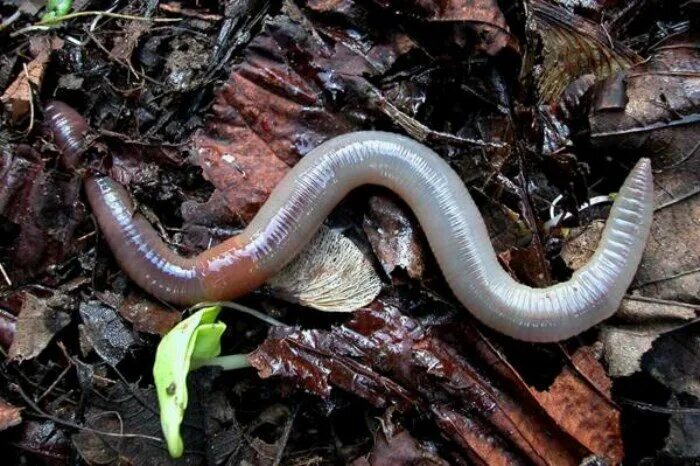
452, 223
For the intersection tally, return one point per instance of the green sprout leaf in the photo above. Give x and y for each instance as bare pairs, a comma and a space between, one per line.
55, 9
190, 343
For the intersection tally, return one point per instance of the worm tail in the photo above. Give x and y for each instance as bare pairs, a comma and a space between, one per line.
594, 292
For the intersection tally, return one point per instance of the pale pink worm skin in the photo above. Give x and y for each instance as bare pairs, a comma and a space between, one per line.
451, 221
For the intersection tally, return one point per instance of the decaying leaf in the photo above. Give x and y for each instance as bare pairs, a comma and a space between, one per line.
636, 326
395, 237
330, 274
575, 406
393, 448
105, 332
39, 320
674, 362
10, 416
653, 107
573, 46
18, 96
130, 415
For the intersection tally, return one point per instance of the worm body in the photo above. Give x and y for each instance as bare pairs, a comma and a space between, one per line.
451, 221
69, 129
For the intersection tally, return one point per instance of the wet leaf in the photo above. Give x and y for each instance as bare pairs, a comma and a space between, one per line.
10, 416
330, 274
105, 331
148, 316
38, 322
390, 359
43, 441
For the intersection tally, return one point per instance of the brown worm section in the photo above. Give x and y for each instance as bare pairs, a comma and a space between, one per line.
451, 221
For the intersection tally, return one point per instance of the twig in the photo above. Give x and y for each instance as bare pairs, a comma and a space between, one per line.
671, 277
41, 413
658, 409
10, 19
4, 275
647, 299
43, 25
685, 196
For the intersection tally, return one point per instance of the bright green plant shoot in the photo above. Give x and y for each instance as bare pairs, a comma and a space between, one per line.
56, 8
187, 346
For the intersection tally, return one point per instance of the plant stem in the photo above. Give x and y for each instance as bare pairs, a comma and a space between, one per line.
227, 363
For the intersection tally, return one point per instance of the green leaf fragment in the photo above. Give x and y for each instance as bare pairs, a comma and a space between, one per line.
191, 342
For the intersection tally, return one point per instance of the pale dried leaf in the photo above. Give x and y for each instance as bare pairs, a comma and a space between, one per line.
330, 274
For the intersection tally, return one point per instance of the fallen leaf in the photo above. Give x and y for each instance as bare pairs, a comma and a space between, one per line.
130, 415
575, 405
390, 359
637, 324
38, 322
483, 17
43, 442
330, 274
106, 333
652, 108
674, 361
573, 46
10, 416
399, 448
19, 95
148, 316
395, 237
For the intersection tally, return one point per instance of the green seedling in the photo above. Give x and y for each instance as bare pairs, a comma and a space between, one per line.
191, 344
56, 9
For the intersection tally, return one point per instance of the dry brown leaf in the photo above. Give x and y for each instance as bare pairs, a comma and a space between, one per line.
577, 407
18, 96
37, 323
9, 415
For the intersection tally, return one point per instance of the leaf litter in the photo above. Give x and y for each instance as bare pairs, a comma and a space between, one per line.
539, 106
